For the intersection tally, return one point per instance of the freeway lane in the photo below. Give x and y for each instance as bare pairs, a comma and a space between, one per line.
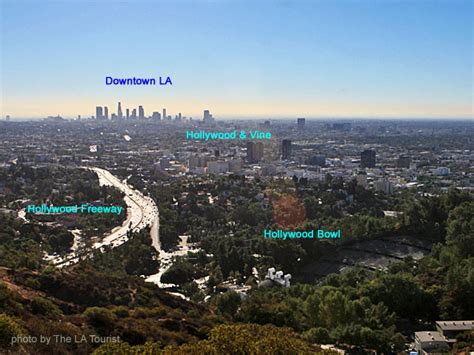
141, 212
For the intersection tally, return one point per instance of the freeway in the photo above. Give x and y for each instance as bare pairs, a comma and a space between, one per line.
141, 212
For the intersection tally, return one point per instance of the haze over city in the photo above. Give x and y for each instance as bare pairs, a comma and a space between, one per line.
240, 59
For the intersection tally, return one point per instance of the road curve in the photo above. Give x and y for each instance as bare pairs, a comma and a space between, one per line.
141, 212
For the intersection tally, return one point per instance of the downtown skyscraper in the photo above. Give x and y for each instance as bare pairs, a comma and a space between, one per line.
119, 111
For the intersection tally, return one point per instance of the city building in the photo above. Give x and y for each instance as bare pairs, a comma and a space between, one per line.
106, 112
318, 160
275, 279
385, 186
156, 116
286, 149
165, 163
119, 111
403, 161
207, 117
441, 171
163, 116
254, 152
450, 329
430, 342
235, 165
98, 113
301, 123
127, 113
217, 167
367, 159
141, 112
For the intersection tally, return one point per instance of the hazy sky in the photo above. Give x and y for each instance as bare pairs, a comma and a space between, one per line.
240, 58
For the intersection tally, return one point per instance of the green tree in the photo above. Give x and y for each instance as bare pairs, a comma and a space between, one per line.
9, 328
228, 303
460, 229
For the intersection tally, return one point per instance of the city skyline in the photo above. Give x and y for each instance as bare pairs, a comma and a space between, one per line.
101, 113
323, 59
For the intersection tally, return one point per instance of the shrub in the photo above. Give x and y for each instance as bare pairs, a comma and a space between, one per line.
40, 305
9, 328
100, 318
318, 335
121, 312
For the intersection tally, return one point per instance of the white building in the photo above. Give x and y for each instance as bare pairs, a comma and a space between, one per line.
217, 167
275, 278
235, 165
385, 185
441, 171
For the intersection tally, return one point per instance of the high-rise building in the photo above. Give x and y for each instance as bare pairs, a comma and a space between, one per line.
367, 159
286, 149
318, 160
98, 113
106, 112
119, 111
301, 122
403, 161
156, 116
254, 152
164, 114
127, 113
141, 112
134, 114
207, 117
384, 185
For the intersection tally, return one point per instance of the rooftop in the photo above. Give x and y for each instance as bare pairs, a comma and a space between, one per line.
455, 324
432, 336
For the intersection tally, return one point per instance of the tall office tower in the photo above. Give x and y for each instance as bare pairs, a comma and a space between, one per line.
207, 117
286, 149
254, 152
106, 112
127, 114
179, 116
367, 159
156, 116
141, 112
164, 114
301, 123
98, 113
403, 161
134, 114
119, 111
319, 160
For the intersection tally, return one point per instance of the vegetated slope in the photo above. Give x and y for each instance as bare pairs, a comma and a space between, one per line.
83, 301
